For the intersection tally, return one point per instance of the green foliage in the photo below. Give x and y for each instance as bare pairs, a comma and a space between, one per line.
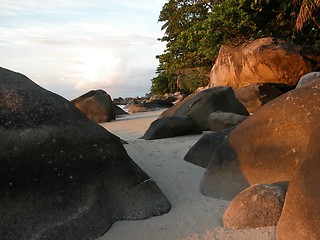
309, 10
164, 82
195, 30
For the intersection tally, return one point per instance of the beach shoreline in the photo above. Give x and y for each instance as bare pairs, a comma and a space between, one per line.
193, 215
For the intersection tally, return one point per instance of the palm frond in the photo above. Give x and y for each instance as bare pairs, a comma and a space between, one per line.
309, 10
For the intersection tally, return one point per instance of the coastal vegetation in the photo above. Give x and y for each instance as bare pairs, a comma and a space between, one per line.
194, 31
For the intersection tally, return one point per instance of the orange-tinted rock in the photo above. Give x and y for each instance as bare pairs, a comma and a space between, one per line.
257, 206
300, 218
261, 61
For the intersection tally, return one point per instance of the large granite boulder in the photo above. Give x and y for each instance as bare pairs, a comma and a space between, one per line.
171, 127
262, 61
300, 217
200, 153
254, 95
97, 105
267, 147
259, 205
200, 105
63, 176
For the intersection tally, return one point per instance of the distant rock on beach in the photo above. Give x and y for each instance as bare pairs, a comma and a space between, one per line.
63, 176
135, 107
171, 127
97, 105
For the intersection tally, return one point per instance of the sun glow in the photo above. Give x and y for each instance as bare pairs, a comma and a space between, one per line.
96, 65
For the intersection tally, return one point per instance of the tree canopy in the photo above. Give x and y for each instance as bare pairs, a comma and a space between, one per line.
194, 31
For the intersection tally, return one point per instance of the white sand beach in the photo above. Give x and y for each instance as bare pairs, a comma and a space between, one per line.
193, 216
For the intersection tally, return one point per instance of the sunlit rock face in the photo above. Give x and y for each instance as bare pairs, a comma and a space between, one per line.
301, 212
63, 176
262, 61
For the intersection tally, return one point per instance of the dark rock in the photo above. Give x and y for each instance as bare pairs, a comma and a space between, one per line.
96, 105
164, 103
171, 127
256, 206
119, 111
63, 176
255, 95
262, 61
200, 105
300, 217
120, 101
306, 79
222, 120
201, 152
267, 147
166, 98
223, 178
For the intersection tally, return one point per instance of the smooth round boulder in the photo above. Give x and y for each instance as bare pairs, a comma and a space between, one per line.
259, 205
63, 176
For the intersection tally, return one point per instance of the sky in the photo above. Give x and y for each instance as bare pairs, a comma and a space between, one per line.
73, 46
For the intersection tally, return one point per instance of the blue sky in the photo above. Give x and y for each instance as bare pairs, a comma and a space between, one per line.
73, 46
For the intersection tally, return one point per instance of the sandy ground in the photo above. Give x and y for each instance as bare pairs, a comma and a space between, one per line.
193, 216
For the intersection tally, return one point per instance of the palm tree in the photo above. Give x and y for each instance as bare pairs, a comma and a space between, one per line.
309, 9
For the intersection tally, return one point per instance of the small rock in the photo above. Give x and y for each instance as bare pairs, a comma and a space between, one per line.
257, 206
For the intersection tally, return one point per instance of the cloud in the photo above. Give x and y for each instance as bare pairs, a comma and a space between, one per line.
70, 46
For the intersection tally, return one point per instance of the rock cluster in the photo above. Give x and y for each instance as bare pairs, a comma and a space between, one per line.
254, 163
197, 107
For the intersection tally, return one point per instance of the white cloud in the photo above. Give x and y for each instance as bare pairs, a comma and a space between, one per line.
72, 46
